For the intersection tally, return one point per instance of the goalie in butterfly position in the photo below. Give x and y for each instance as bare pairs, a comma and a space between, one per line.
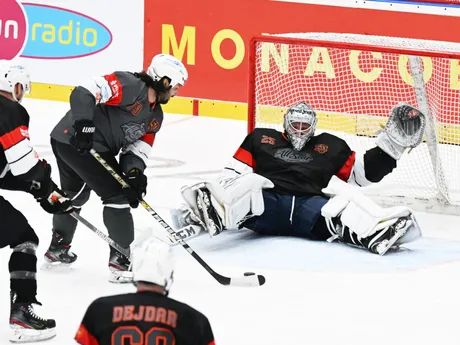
298, 184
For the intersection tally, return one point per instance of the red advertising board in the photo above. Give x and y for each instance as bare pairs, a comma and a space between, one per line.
212, 37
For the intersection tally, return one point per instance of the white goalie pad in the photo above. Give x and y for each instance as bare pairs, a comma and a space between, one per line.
361, 214
232, 198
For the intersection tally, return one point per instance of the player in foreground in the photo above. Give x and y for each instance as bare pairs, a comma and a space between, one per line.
297, 184
148, 315
117, 112
22, 170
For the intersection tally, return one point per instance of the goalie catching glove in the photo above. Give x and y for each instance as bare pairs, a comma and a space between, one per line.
227, 203
404, 129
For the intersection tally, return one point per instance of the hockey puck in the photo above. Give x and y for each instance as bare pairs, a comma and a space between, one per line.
249, 274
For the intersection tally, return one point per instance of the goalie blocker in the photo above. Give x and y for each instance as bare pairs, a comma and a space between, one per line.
246, 199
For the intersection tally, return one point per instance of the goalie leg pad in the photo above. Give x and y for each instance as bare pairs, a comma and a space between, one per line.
231, 199
239, 197
368, 224
209, 212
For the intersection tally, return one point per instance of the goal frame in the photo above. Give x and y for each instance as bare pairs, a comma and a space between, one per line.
435, 205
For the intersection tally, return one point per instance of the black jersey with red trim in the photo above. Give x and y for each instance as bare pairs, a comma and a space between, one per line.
143, 318
299, 173
119, 107
17, 156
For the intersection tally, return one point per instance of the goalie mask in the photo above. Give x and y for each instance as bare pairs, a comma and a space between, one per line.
300, 124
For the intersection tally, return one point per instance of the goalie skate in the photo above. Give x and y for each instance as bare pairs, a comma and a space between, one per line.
208, 214
392, 234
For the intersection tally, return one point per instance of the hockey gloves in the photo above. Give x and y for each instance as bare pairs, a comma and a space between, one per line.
56, 202
82, 140
137, 187
50, 197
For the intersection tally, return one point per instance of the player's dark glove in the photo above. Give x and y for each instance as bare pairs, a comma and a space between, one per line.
51, 198
82, 139
56, 202
137, 187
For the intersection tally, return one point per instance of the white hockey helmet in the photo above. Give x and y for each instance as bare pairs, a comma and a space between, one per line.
153, 262
300, 124
12, 74
165, 65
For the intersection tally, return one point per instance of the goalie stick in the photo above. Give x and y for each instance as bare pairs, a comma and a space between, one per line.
248, 279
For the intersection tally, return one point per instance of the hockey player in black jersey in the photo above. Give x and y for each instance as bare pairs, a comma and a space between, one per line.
147, 316
293, 183
22, 170
119, 113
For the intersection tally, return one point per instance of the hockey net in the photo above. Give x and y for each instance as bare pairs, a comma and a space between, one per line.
353, 81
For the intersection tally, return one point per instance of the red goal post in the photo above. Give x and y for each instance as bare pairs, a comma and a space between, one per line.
353, 81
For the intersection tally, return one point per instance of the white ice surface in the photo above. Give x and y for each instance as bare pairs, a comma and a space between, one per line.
316, 293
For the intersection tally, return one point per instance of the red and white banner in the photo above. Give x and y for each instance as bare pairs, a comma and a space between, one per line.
212, 37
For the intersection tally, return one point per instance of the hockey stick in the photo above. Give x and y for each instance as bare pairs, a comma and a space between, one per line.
106, 238
249, 279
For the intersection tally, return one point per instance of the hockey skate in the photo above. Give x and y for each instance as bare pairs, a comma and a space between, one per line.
26, 326
58, 254
120, 268
389, 238
208, 214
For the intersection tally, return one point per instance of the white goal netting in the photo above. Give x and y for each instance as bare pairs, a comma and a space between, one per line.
353, 81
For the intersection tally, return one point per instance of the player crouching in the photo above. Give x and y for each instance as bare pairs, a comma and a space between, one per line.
293, 183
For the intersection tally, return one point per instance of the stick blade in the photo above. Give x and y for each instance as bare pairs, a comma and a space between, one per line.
248, 281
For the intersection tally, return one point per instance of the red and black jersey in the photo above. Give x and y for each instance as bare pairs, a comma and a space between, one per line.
16, 152
269, 153
143, 318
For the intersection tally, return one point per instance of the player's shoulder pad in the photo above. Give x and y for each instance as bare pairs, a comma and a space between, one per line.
331, 139
187, 309
17, 114
198, 315
264, 130
108, 300
260, 131
127, 78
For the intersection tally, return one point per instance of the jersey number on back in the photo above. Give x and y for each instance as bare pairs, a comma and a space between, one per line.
132, 335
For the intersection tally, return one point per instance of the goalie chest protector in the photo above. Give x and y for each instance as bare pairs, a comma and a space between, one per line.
300, 173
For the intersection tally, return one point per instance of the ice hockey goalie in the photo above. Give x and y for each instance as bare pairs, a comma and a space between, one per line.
300, 184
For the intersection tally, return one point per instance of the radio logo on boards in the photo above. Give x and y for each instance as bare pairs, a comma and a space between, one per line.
47, 32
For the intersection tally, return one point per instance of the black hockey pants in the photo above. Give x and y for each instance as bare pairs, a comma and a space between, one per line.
81, 173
